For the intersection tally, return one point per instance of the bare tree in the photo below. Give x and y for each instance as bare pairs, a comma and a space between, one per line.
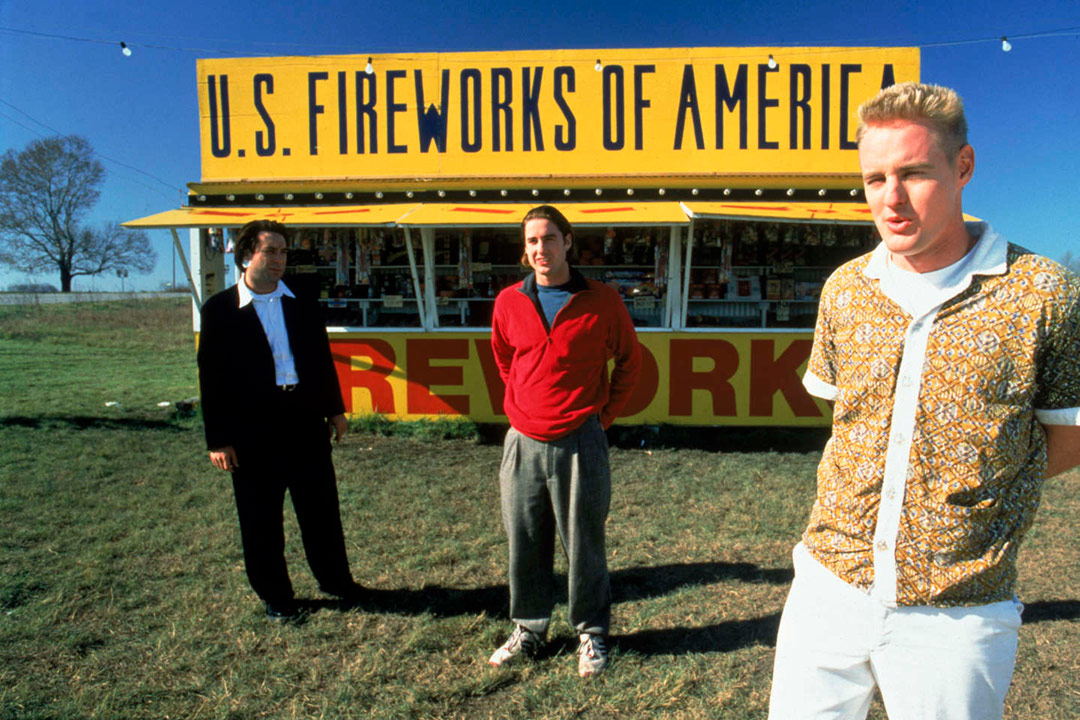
46, 191
1071, 261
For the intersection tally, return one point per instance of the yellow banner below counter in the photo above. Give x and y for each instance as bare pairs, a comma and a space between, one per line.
687, 378
647, 114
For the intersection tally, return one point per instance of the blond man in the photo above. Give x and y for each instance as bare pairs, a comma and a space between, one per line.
952, 359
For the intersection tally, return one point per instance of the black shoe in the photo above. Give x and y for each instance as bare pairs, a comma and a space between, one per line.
282, 612
352, 592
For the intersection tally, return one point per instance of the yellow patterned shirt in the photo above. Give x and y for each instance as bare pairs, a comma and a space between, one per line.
934, 469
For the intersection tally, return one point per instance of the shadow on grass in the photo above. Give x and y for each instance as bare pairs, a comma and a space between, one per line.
647, 582
1047, 610
689, 437
85, 422
720, 439
433, 599
722, 637
727, 636
626, 585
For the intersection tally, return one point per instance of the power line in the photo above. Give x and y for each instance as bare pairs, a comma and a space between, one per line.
100, 155
1053, 32
24, 127
152, 46
99, 41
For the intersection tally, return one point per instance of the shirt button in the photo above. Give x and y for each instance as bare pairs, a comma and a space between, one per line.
898, 438
882, 545
890, 493
905, 380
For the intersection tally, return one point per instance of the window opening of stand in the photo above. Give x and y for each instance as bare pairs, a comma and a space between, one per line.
362, 276
473, 251
471, 266
766, 274
632, 260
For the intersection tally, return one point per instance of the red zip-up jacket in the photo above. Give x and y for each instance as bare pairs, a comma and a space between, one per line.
557, 377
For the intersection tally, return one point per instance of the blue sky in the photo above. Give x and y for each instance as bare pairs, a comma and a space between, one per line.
141, 112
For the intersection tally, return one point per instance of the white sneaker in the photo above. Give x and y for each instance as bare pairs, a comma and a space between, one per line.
592, 655
523, 642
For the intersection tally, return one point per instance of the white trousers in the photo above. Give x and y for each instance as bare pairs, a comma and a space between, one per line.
836, 643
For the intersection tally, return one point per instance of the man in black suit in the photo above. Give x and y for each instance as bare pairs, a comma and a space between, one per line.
271, 400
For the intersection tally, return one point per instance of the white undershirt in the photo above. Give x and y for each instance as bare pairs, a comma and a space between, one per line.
918, 293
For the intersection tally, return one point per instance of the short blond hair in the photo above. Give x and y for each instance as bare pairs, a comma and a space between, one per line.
939, 107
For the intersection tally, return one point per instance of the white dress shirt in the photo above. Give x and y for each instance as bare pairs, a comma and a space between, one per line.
268, 308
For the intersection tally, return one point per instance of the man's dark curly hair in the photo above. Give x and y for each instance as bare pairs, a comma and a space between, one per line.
248, 238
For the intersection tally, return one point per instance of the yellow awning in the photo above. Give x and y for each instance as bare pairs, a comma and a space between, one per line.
317, 216
799, 211
507, 214
510, 214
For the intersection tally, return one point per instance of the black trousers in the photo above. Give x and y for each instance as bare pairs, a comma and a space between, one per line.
293, 456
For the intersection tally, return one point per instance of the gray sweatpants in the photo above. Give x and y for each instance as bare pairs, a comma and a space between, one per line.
563, 484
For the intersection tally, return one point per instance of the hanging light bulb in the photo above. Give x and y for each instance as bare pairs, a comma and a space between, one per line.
368, 68
598, 66
125, 49
1006, 46
772, 62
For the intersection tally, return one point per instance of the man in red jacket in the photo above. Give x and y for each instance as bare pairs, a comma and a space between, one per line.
552, 335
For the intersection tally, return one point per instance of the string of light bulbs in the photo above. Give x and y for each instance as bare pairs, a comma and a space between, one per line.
126, 48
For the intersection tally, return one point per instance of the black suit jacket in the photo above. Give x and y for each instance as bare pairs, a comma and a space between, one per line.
236, 369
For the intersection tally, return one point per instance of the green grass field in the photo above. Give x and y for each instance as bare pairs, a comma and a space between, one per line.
122, 591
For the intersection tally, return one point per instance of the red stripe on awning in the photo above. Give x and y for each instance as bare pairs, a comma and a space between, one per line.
226, 213
495, 211
605, 210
